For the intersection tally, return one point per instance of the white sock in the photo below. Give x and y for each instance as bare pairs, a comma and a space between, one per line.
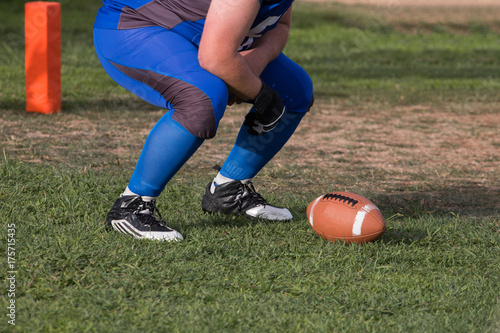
220, 179
144, 197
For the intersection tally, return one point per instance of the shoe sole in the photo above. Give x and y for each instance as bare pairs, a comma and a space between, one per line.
262, 216
126, 228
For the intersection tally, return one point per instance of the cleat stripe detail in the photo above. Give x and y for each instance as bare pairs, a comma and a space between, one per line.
121, 229
131, 230
117, 227
132, 216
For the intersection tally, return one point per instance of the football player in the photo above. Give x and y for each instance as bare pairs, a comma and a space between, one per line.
193, 58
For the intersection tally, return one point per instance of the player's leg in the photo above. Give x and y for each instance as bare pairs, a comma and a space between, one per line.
162, 68
251, 153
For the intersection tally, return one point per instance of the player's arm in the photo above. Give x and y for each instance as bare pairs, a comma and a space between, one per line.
226, 25
269, 46
266, 49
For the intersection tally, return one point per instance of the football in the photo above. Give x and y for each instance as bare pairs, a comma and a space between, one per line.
346, 217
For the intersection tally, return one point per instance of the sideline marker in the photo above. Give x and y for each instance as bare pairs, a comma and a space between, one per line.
43, 56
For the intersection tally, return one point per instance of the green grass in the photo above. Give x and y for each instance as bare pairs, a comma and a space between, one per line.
366, 60
429, 273
349, 56
436, 269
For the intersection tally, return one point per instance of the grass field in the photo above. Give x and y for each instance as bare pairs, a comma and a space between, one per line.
406, 114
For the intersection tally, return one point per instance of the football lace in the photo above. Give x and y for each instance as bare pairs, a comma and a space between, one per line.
341, 198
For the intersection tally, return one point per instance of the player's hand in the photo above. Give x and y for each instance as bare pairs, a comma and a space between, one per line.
268, 111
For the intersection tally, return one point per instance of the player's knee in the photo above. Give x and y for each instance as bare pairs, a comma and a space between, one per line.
303, 97
310, 103
195, 112
301, 105
308, 100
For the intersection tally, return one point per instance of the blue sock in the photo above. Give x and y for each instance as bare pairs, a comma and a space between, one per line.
251, 153
167, 148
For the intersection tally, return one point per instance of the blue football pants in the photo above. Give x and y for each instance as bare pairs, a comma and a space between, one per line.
162, 68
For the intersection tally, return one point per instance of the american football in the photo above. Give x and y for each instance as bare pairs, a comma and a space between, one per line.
347, 217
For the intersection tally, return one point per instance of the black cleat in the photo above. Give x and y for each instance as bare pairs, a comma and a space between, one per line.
240, 198
133, 216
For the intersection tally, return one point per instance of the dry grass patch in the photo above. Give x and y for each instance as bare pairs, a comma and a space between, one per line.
428, 152
409, 16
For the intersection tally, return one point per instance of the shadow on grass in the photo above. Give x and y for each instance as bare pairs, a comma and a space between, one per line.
461, 200
402, 235
76, 106
219, 219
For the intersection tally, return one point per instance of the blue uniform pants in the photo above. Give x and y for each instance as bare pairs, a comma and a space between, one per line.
162, 68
